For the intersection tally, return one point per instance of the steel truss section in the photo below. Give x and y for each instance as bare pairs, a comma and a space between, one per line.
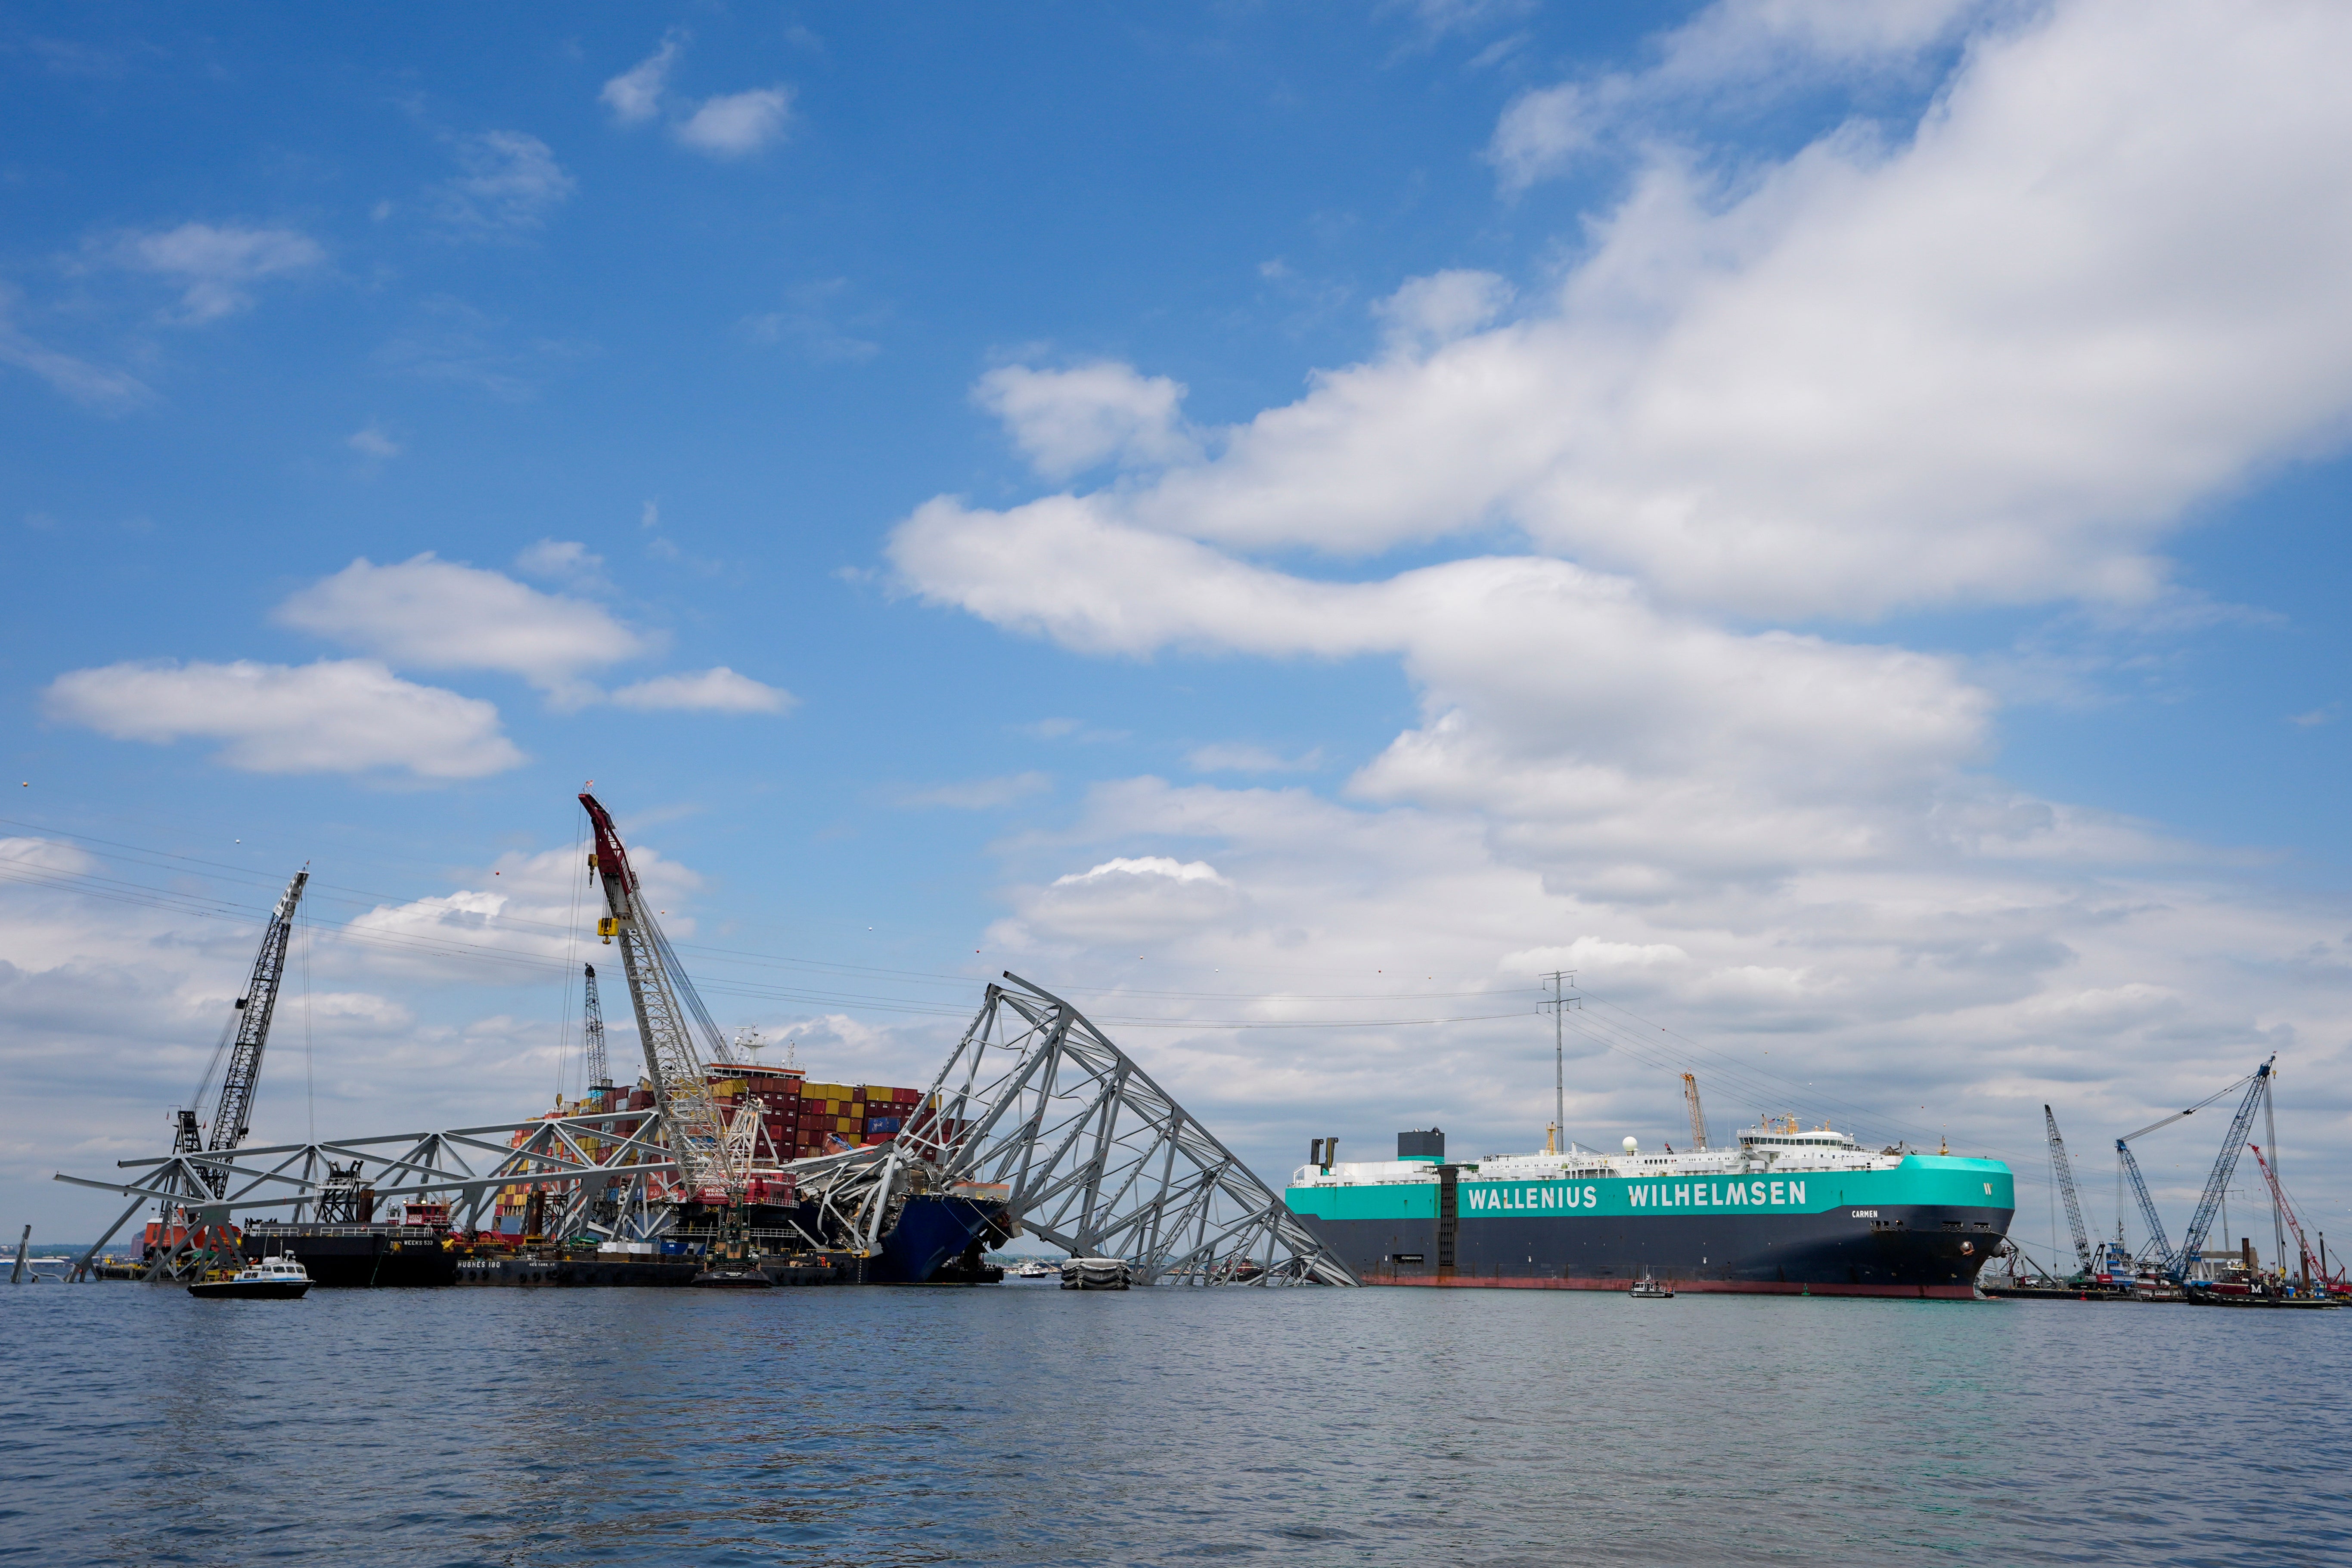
1034, 1102
1099, 1159
465, 1166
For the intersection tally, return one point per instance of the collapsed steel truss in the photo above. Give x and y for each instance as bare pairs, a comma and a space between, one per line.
1035, 1108
1099, 1158
582, 1161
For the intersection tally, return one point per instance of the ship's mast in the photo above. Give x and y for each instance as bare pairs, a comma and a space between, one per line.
1559, 1003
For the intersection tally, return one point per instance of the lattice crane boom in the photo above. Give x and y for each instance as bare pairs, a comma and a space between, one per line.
2311, 1270
670, 1016
2147, 1204
1697, 1114
233, 1111
2064, 1173
2218, 1183
592, 1032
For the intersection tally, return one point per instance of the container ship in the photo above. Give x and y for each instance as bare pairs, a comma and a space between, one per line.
1788, 1211
937, 1237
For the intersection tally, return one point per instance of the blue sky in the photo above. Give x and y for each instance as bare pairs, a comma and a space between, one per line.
1826, 522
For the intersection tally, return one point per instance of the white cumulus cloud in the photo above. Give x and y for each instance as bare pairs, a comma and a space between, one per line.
1065, 422
635, 96
566, 562
718, 690
1144, 865
510, 183
1737, 56
371, 440
1877, 374
216, 266
1429, 311
735, 124
345, 716
93, 386
426, 613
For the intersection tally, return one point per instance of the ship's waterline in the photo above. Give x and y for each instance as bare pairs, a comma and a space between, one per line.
1785, 1211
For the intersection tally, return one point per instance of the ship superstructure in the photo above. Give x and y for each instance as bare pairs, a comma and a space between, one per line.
1787, 1208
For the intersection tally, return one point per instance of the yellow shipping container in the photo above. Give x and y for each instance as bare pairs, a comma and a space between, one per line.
825, 1090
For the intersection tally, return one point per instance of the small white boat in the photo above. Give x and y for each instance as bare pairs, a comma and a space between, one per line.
1650, 1289
1033, 1270
270, 1279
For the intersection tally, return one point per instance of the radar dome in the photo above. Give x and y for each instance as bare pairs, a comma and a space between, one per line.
1633, 1144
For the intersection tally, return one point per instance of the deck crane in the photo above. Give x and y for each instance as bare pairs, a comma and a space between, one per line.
1697, 1116
592, 1034
2311, 1266
670, 1016
2064, 1173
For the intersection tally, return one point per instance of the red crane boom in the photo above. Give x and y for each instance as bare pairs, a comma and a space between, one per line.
2311, 1270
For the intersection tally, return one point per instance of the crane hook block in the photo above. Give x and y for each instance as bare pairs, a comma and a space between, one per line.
605, 926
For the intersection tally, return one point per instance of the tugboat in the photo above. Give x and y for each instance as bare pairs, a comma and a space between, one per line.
1648, 1289
266, 1280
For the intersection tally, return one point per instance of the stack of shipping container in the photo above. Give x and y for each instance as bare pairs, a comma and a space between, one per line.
801, 1118
797, 1119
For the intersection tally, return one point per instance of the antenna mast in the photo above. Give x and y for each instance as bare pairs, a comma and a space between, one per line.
1559, 1003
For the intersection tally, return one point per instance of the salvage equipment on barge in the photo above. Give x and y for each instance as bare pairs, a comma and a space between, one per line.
1788, 1211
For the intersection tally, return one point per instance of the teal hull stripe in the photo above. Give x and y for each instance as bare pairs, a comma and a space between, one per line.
1921, 1180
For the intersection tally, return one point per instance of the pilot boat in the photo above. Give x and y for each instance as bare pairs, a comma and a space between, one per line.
1649, 1289
268, 1280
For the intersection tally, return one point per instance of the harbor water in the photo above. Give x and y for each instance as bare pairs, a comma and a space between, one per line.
1025, 1424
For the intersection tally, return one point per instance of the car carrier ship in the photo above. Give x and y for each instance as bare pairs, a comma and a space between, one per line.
1790, 1210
